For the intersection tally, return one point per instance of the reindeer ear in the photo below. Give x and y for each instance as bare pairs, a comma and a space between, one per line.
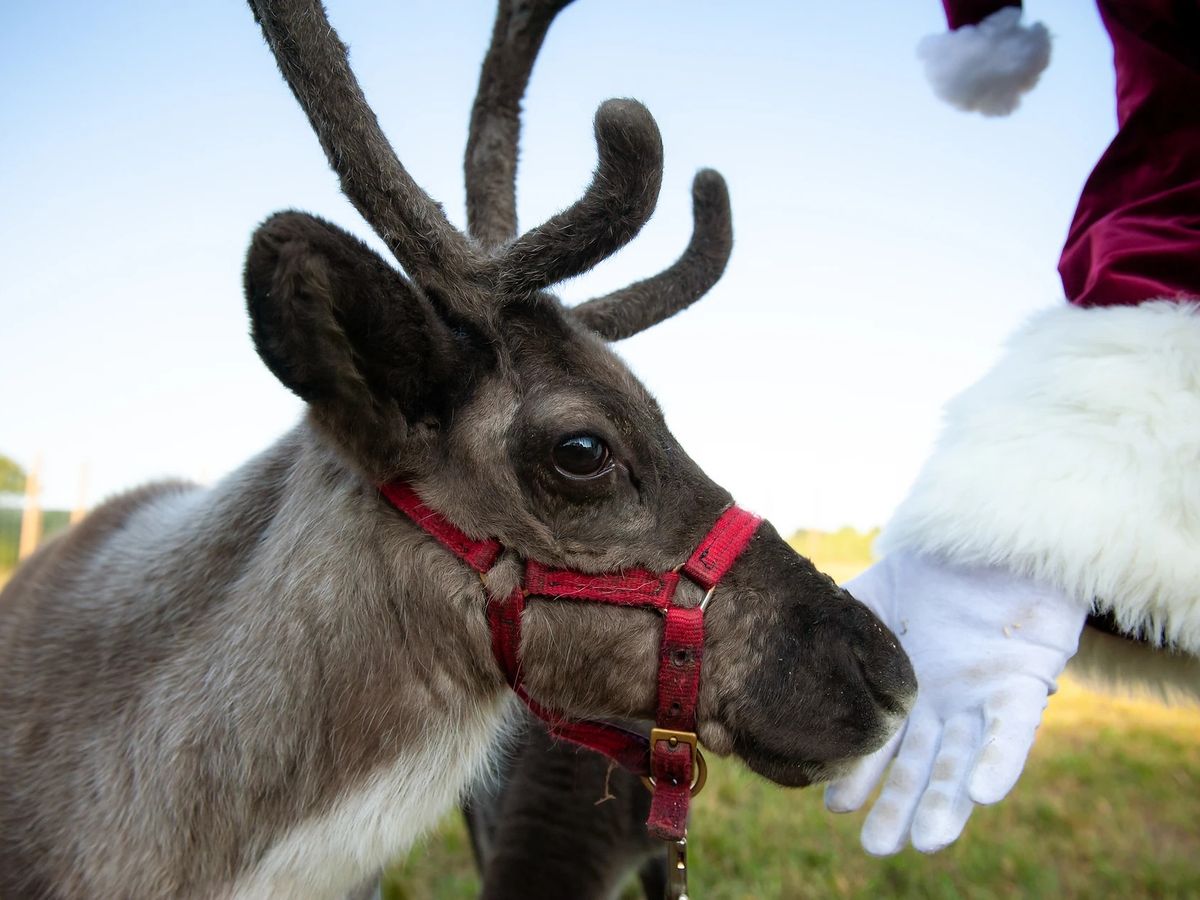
345, 331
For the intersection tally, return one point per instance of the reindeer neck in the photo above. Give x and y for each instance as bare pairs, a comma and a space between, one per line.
304, 676
387, 635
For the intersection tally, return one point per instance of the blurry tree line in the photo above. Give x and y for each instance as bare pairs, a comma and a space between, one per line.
12, 476
846, 546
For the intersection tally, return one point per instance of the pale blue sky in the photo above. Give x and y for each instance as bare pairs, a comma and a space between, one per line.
885, 243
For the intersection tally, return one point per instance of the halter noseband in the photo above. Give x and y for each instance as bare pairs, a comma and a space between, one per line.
669, 762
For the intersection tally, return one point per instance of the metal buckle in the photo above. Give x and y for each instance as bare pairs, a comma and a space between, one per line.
674, 739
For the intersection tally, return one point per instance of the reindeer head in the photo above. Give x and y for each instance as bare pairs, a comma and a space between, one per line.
514, 419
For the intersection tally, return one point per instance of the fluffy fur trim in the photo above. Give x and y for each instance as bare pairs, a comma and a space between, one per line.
1076, 461
986, 67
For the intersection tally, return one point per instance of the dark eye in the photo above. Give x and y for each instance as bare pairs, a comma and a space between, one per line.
581, 456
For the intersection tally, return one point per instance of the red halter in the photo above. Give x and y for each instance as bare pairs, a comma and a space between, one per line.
669, 761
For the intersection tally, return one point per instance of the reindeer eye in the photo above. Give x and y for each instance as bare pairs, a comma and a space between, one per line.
581, 456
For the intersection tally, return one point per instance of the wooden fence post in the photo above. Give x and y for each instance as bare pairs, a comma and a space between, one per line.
31, 517
80, 508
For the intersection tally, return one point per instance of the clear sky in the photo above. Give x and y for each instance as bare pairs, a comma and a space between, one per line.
885, 243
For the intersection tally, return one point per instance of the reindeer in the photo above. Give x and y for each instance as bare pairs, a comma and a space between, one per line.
273, 686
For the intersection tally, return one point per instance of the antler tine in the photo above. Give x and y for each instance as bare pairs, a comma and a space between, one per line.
621, 197
313, 61
635, 308
490, 162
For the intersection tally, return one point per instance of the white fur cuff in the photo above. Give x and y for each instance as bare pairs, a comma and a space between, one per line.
986, 67
1076, 462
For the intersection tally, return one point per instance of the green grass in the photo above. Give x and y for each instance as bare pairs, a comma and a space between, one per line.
1109, 806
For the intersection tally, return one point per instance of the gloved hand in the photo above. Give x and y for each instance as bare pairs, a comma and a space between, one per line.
987, 647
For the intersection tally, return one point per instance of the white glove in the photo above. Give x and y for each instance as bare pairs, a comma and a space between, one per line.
987, 647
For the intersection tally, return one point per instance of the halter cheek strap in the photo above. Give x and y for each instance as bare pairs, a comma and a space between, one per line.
669, 761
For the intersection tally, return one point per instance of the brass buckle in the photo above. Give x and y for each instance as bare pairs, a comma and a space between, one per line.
674, 739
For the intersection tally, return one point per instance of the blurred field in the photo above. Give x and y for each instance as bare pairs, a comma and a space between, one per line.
1109, 806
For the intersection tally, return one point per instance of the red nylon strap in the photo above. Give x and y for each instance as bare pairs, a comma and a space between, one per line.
679, 658
637, 587
721, 547
627, 748
479, 555
673, 765
504, 620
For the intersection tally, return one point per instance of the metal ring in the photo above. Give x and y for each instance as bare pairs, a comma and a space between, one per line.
699, 774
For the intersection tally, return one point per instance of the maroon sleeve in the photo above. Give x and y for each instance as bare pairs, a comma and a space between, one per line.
1136, 232
972, 12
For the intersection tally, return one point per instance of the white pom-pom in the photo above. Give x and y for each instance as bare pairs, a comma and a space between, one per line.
987, 67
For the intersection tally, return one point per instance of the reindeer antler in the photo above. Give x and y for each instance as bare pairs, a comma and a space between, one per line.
490, 166
314, 64
611, 212
490, 163
617, 203
635, 308
615, 206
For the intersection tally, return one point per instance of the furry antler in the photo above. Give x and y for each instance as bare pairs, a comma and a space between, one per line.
611, 212
635, 308
313, 61
617, 203
490, 166
490, 163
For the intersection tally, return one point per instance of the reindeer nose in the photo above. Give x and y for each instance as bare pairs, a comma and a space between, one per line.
886, 669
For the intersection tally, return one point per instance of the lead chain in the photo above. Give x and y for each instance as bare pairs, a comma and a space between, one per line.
677, 886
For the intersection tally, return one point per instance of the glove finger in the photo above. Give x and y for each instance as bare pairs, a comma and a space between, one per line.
850, 791
886, 828
946, 805
1010, 722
